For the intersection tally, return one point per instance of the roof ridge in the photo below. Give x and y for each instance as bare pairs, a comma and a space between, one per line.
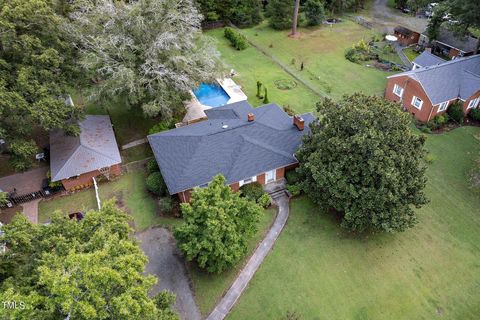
65, 163
446, 63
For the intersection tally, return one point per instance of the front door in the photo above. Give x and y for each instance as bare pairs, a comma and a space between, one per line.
270, 176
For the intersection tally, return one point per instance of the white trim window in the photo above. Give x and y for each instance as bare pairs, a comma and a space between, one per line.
247, 181
442, 106
398, 91
473, 103
417, 102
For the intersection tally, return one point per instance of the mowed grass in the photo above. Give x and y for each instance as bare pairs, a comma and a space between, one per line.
209, 288
252, 66
130, 192
136, 153
319, 271
322, 49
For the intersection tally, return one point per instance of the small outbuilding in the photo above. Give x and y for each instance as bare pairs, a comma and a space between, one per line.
75, 161
406, 37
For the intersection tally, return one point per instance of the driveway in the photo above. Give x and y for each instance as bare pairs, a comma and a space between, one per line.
389, 18
166, 264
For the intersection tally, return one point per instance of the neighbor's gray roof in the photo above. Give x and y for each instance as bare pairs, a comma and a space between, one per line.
93, 149
192, 155
459, 78
426, 59
463, 43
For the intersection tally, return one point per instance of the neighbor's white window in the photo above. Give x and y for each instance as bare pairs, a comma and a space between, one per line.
247, 181
473, 103
397, 90
442, 106
417, 102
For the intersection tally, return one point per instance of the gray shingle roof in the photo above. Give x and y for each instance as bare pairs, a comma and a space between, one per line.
192, 155
463, 43
459, 78
93, 149
426, 59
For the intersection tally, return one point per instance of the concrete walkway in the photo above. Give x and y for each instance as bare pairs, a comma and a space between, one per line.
30, 210
240, 284
403, 57
134, 143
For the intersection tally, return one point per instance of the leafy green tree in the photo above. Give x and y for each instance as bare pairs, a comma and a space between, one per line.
314, 12
90, 269
3, 197
417, 5
436, 22
218, 224
36, 67
243, 13
23, 152
149, 52
363, 160
466, 15
280, 13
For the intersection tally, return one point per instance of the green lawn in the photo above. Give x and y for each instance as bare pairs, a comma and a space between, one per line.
252, 66
140, 152
322, 51
131, 195
209, 288
432, 271
410, 53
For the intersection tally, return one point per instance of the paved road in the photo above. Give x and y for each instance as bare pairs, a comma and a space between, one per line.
166, 264
240, 284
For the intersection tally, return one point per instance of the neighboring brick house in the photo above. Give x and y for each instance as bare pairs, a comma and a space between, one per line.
406, 36
426, 59
243, 143
428, 91
450, 44
76, 160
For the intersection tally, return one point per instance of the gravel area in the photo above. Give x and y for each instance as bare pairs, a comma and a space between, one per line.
166, 263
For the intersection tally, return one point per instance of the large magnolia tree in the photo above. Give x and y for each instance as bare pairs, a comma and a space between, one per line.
218, 225
91, 269
363, 160
150, 52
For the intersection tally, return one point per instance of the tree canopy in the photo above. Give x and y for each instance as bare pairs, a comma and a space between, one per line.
149, 52
90, 269
218, 224
280, 13
36, 67
241, 12
363, 160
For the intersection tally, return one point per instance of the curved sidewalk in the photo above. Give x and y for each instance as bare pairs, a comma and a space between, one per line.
242, 280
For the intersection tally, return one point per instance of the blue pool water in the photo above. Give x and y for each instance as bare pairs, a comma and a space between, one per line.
211, 95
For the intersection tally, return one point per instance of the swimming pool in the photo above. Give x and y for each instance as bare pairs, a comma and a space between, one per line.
211, 95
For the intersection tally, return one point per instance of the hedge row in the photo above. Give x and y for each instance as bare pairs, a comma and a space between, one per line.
237, 40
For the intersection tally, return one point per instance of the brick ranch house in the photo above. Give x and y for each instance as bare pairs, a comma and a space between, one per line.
243, 143
428, 91
76, 160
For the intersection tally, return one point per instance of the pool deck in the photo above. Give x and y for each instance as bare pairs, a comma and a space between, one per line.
195, 110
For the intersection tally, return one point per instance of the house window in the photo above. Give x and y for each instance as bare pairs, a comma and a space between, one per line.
397, 90
247, 181
417, 102
442, 106
473, 103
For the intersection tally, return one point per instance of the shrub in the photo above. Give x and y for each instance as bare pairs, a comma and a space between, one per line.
237, 40
265, 97
252, 191
314, 12
425, 130
360, 51
429, 158
292, 177
161, 126
152, 166
265, 200
259, 87
455, 112
53, 185
155, 184
475, 114
289, 110
438, 121
294, 189
165, 204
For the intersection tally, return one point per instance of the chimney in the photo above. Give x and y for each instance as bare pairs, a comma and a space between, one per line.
251, 117
299, 122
